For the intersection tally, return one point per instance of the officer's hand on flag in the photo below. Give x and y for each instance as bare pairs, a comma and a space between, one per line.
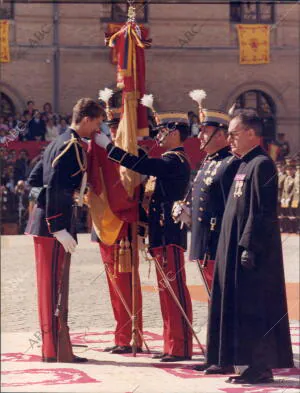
67, 240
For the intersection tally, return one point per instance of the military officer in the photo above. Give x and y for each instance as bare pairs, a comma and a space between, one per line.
287, 195
295, 203
167, 239
281, 178
206, 205
60, 172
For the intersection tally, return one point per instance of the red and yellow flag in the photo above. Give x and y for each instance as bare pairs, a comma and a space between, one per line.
4, 41
113, 196
254, 43
130, 44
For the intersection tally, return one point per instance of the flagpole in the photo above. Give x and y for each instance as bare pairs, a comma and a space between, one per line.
134, 275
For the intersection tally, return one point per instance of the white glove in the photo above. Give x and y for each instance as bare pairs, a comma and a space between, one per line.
66, 239
181, 213
102, 140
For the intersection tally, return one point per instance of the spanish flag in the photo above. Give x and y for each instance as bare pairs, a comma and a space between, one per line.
254, 44
130, 43
114, 191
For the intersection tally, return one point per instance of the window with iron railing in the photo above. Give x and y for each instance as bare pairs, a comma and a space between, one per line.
252, 12
119, 11
7, 10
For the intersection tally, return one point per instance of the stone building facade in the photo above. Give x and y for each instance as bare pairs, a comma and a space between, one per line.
58, 55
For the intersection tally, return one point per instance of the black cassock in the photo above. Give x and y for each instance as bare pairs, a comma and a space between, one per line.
248, 320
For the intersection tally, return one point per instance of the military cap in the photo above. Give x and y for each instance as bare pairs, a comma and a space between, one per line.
211, 117
172, 119
290, 163
114, 122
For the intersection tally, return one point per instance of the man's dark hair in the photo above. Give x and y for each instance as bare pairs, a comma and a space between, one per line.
30, 102
86, 107
184, 131
250, 119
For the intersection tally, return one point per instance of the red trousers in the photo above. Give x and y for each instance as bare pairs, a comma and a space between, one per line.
120, 285
207, 274
176, 332
49, 256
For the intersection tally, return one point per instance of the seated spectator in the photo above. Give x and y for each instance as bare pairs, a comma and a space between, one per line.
36, 128
22, 166
3, 155
63, 126
11, 157
51, 130
30, 109
3, 126
48, 112
8, 177
8, 206
22, 202
24, 119
11, 122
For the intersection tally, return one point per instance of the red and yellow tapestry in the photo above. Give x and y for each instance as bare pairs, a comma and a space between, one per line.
4, 41
254, 44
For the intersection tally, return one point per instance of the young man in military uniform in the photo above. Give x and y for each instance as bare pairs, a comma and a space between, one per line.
287, 196
248, 320
281, 178
295, 205
205, 207
60, 172
167, 240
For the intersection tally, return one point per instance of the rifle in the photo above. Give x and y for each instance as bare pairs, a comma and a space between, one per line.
64, 346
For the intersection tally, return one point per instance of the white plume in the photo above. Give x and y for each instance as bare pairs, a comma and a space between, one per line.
232, 109
105, 95
198, 96
147, 100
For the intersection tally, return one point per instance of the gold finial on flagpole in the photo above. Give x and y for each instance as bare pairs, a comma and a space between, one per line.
131, 11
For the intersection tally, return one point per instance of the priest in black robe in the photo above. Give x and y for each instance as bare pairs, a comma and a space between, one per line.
248, 320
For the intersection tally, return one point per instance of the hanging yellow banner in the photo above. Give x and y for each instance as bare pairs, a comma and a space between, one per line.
254, 44
4, 41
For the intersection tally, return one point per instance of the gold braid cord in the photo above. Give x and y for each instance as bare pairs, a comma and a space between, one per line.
81, 163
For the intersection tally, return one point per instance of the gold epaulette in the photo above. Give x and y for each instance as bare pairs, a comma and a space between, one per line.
179, 154
81, 163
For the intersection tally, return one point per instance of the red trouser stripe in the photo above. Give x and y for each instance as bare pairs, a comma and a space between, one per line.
177, 335
49, 255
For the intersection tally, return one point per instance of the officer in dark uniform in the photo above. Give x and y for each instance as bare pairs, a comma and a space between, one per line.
167, 240
60, 172
295, 206
287, 196
281, 178
205, 205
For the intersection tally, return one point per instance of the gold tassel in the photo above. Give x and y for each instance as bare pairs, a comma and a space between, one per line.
124, 256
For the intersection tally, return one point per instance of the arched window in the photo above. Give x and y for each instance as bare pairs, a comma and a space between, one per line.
6, 105
265, 108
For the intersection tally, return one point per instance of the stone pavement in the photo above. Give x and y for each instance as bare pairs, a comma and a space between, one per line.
91, 324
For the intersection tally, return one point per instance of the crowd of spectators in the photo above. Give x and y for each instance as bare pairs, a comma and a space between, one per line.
41, 125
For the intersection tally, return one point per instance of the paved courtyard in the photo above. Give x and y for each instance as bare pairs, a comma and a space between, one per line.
91, 324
